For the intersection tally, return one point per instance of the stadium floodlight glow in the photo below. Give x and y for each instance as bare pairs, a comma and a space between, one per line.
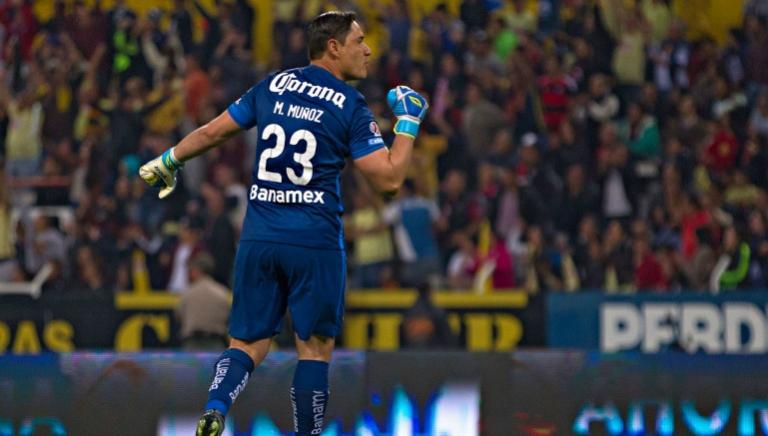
331, 430
455, 410
366, 425
263, 426
746, 421
403, 415
608, 413
693, 422
665, 424
30, 426
706, 425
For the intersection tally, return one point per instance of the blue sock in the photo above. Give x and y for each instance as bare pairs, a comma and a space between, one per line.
232, 371
309, 396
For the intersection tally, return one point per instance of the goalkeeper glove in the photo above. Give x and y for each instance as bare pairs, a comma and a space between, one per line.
161, 171
409, 107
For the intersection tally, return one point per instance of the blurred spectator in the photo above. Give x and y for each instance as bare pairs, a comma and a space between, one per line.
474, 14
414, 218
197, 85
295, 54
541, 275
659, 15
126, 116
225, 178
662, 228
539, 184
519, 17
631, 30
480, 121
220, 238
456, 211
438, 26
758, 121
366, 229
162, 51
720, 154
698, 270
23, 143
203, 309
89, 271
618, 256
499, 262
20, 24
189, 244
507, 223
579, 200
649, 275
521, 133
603, 105
616, 177
757, 8
640, 133
45, 243
233, 58
425, 326
127, 58
169, 114
463, 263
689, 128
86, 26
181, 24
758, 244
588, 253
730, 103
398, 25
741, 193
7, 250
731, 272
756, 30
555, 88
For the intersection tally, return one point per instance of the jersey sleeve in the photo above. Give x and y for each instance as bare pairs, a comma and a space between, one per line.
365, 137
244, 109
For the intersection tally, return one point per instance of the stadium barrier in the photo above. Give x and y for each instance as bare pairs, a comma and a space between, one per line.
395, 393
134, 321
728, 323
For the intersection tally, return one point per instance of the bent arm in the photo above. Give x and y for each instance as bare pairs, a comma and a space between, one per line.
206, 137
385, 168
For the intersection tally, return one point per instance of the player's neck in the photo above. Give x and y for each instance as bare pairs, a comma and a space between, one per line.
328, 66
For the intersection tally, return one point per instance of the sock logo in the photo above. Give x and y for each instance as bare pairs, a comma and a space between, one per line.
239, 388
295, 410
318, 411
221, 371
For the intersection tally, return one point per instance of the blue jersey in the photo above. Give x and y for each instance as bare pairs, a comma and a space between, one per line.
309, 123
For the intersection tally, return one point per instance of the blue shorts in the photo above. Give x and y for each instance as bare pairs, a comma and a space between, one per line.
270, 278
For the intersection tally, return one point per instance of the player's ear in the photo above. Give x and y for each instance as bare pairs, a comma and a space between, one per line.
333, 47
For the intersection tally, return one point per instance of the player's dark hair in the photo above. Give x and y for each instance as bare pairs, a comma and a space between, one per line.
330, 25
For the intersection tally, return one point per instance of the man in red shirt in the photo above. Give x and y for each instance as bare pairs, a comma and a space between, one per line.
554, 89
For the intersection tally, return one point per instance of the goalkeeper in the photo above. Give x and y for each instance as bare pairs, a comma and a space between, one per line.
291, 252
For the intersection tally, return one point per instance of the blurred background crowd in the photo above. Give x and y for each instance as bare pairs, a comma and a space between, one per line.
571, 144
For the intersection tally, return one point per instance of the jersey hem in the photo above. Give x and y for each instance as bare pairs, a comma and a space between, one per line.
314, 247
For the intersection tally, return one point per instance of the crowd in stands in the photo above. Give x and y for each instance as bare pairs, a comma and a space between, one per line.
596, 147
